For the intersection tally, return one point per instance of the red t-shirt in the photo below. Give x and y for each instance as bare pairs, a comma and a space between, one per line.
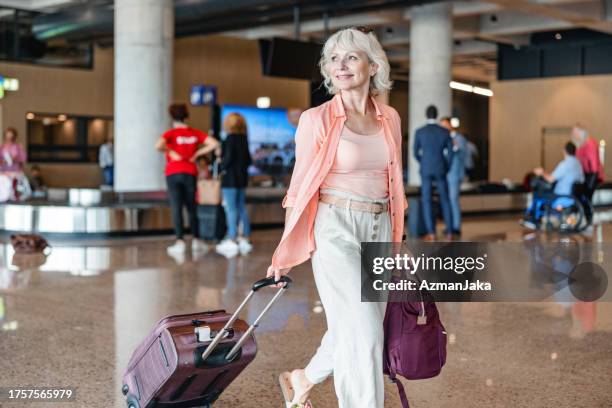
185, 141
588, 155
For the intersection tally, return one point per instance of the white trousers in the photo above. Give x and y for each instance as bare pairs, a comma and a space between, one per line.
352, 347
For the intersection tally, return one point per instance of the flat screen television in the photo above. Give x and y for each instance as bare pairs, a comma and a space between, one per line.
289, 58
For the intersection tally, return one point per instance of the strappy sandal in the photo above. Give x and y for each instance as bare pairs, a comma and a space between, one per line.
292, 399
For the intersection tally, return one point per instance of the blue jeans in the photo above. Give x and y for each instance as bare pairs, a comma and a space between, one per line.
426, 187
108, 174
454, 190
234, 203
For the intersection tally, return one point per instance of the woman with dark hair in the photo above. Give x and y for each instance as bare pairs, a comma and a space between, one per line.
234, 167
182, 146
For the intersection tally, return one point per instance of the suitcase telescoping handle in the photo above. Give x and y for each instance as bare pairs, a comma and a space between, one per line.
256, 286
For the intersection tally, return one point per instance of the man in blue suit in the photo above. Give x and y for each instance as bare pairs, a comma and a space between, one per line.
433, 149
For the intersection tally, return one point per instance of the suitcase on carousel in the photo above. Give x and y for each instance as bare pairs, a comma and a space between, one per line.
189, 360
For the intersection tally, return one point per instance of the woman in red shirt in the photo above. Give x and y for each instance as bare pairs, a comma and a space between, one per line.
587, 152
183, 145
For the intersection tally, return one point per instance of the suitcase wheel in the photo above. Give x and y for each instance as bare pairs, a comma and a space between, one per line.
132, 402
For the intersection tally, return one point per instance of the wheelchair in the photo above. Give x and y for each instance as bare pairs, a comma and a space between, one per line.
562, 213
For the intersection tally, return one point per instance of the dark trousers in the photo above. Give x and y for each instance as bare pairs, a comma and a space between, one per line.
426, 191
182, 192
591, 181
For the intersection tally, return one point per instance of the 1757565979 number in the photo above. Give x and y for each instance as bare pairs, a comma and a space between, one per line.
48, 394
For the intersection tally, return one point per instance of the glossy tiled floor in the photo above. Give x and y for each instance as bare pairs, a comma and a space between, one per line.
74, 318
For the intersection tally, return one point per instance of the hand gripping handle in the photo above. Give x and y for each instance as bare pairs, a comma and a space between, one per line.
256, 286
270, 281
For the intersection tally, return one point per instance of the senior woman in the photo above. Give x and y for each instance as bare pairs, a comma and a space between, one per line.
346, 188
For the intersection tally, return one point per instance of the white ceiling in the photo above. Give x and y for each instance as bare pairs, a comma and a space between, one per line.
478, 27
38, 5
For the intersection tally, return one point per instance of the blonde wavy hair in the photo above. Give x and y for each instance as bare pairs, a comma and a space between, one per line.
235, 123
356, 39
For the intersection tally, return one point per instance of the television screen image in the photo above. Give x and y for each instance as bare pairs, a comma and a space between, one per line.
271, 134
281, 57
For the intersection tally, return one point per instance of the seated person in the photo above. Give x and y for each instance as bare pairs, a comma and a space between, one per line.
14, 185
566, 174
39, 189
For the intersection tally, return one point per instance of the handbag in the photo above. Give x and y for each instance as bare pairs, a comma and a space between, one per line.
209, 190
29, 243
415, 342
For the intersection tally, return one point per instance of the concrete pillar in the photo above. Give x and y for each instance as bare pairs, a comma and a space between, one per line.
431, 51
144, 33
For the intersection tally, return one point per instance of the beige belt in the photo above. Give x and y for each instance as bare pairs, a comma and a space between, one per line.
363, 206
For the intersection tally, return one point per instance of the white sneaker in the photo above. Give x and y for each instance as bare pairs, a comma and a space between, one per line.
177, 248
197, 245
179, 257
528, 224
244, 246
227, 247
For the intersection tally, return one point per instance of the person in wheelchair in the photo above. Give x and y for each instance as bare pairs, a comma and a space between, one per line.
554, 192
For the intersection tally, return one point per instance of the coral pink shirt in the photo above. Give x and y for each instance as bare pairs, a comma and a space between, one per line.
588, 155
316, 142
360, 166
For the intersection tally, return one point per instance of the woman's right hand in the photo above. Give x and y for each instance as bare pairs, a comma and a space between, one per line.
277, 273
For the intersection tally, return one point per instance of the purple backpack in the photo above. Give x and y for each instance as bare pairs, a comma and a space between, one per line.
415, 342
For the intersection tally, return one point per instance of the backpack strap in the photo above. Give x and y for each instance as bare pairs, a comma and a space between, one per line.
400, 388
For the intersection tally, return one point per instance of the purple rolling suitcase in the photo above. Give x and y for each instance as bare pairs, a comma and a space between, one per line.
189, 360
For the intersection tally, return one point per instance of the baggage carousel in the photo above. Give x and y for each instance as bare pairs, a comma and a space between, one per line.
92, 212
98, 213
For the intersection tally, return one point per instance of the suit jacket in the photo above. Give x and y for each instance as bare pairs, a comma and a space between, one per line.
235, 161
433, 148
316, 143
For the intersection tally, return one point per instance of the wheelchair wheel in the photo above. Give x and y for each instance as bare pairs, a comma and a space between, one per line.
572, 218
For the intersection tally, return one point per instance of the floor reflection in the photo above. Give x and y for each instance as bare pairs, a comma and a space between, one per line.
86, 307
